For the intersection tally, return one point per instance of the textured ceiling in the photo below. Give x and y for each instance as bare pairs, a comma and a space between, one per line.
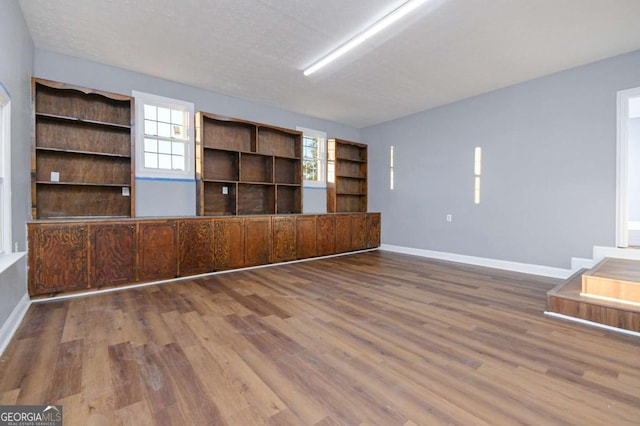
256, 49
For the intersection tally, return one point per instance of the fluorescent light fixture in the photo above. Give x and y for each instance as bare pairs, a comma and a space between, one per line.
383, 23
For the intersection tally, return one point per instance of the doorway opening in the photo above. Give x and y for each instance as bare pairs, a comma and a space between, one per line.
628, 170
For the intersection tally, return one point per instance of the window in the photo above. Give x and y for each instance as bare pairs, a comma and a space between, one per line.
477, 171
5, 171
164, 139
314, 149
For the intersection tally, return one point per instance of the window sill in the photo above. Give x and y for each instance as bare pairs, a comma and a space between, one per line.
7, 260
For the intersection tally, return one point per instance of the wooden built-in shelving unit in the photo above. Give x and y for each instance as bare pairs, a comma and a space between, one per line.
246, 168
81, 163
346, 176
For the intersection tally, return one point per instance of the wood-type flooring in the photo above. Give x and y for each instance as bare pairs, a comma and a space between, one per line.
373, 338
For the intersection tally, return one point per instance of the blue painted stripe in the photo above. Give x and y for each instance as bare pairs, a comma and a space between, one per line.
314, 187
163, 179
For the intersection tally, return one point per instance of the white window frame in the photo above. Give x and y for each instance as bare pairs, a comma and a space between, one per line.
141, 99
322, 157
5, 171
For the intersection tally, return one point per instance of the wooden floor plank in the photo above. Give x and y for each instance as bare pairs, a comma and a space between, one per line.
369, 338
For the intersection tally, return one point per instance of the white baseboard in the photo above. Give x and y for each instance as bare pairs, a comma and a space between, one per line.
582, 263
526, 268
592, 324
13, 322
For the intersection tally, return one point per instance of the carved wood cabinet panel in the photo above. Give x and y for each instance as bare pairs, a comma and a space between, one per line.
325, 235
229, 243
284, 239
195, 247
257, 246
75, 255
113, 254
305, 237
58, 258
343, 233
157, 254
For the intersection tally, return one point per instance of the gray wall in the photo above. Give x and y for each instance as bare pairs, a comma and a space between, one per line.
72, 70
16, 66
634, 169
548, 177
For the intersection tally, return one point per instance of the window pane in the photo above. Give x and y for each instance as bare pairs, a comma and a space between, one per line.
164, 130
164, 147
164, 115
150, 127
150, 160
178, 148
178, 162
150, 145
150, 112
164, 161
177, 117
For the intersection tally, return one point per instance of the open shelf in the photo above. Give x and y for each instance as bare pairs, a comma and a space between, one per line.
220, 165
278, 142
66, 201
220, 198
256, 168
232, 135
256, 199
75, 167
289, 199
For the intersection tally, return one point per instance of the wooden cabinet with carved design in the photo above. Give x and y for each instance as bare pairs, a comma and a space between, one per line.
195, 247
228, 243
113, 253
284, 239
72, 255
325, 235
306, 236
58, 258
157, 250
257, 245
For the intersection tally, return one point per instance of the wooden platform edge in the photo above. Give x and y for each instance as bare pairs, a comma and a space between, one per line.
566, 302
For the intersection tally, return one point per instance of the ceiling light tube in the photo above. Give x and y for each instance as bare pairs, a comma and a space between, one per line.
389, 19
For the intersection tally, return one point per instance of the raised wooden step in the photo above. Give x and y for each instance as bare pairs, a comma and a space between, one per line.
614, 279
566, 299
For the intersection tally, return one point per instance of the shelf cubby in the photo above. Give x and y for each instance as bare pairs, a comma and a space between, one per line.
220, 165
256, 168
289, 199
256, 199
220, 198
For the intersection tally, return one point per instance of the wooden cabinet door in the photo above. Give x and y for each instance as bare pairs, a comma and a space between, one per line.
113, 254
257, 237
284, 239
359, 233
373, 230
57, 258
325, 235
343, 233
305, 237
157, 250
228, 243
195, 247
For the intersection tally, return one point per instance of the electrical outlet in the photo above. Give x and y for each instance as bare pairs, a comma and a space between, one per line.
449, 218
225, 190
